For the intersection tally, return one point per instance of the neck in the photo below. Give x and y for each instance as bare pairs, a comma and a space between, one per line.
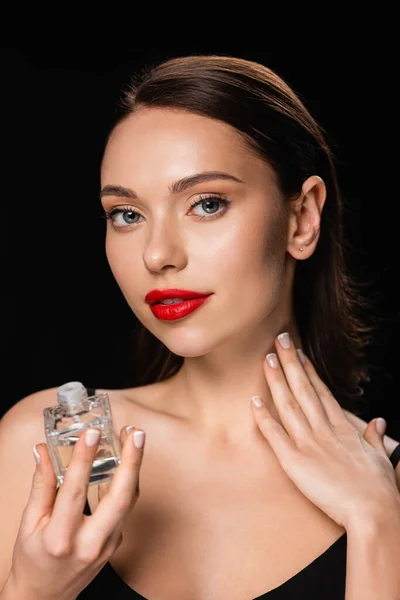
212, 393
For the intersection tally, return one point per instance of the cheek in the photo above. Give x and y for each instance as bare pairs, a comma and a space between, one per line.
121, 261
254, 254
246, 260
253, 272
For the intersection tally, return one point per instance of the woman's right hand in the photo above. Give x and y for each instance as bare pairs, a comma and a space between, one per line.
59, 550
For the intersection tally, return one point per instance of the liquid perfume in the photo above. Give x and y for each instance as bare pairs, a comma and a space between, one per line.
66, 422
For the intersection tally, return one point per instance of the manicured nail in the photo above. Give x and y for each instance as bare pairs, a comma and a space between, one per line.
301, 356
129, 428
36, 454
284, 340
381, 425
257, 401
92, 437
272, 360
138, 439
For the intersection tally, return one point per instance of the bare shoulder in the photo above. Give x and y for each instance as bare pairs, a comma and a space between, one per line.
144, 405
389, 443
25, 417
21, 427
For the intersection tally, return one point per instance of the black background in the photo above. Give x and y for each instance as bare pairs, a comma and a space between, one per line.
66, 318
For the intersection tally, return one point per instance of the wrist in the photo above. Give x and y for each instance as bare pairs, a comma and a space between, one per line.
12, 591
371, 519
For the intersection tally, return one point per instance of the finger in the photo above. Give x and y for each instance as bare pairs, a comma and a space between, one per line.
71, 497
300, 384
332, 407
374, 438
125, 431
43, 491
112, 544
275, 434
122, 496
289, 410
104, 488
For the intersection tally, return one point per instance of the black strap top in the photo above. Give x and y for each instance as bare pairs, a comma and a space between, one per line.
324, 577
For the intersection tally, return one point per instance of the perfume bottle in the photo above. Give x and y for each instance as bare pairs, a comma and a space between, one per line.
67, 421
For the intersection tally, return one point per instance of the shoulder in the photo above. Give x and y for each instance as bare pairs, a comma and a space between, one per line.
149, 400
144, 406
25, 417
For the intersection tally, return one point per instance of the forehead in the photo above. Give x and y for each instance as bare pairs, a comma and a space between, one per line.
174, 143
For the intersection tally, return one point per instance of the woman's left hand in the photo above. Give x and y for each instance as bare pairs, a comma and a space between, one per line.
317, 446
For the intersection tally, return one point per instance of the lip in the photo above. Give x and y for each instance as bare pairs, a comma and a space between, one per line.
172, 312
168, 294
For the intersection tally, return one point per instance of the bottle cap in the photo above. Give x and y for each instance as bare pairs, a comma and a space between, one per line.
71, 393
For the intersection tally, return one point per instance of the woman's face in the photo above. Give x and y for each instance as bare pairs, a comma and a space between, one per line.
236, 251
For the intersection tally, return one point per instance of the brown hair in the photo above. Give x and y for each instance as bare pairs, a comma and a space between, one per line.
277, 126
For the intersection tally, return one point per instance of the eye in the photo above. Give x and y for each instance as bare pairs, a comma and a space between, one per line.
208, 203
127, 216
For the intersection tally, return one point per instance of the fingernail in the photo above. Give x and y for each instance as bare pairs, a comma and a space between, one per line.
257, 401
381, 426
92, 437
301, 356
129, 428
284, 340
272, 360
138, 439
36, 454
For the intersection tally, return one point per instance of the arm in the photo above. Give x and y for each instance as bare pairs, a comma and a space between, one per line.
373, 550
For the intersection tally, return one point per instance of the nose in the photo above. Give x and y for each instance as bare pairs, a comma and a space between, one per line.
164, 248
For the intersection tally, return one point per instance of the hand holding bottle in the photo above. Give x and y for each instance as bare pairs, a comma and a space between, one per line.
59, 550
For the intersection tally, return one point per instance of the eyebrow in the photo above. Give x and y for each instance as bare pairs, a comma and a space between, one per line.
176, 188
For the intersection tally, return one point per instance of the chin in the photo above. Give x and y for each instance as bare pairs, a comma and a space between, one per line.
187, 343
188, 346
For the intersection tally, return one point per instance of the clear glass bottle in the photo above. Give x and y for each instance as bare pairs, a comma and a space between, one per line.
67, 421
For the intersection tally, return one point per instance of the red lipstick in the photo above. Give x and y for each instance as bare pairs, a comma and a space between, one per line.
189, 302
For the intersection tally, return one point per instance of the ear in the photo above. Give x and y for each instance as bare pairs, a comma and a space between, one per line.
305, 218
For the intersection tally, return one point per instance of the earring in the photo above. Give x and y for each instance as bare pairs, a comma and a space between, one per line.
301, 248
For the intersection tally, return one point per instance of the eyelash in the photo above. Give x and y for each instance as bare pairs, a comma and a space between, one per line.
121, 209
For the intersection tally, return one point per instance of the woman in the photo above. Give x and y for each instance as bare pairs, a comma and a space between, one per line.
224, 234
